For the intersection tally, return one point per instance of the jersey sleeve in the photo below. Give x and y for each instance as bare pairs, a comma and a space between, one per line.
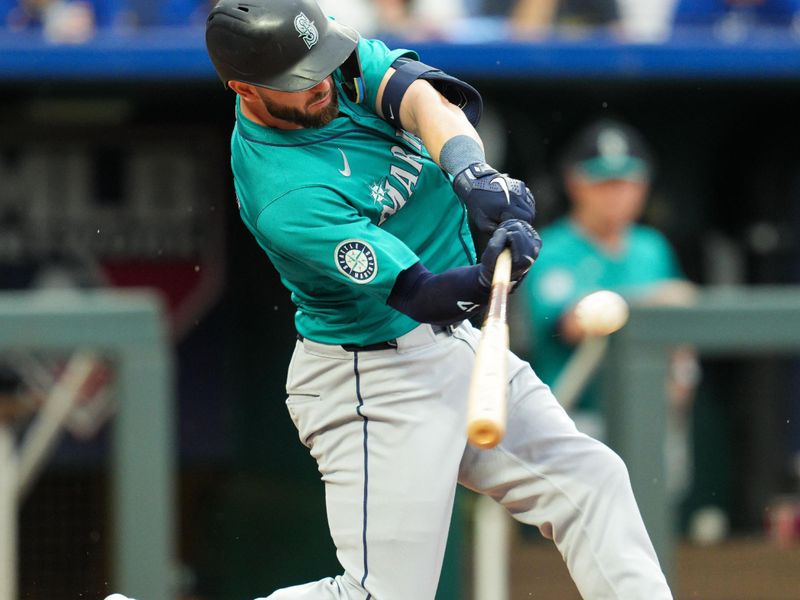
656, 252
671, 265
375, 59
318, 229
545, 307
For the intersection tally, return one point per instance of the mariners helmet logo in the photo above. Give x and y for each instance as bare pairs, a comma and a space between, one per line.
306, 29
356, 260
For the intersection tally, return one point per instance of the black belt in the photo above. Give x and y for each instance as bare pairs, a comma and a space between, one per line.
388, 344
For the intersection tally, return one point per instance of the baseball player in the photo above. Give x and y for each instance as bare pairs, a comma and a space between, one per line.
356, 168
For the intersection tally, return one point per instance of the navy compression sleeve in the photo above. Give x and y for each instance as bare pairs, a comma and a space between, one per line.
440, 299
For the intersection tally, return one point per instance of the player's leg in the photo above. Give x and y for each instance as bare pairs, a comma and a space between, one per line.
388, 443
342, 587
575, 489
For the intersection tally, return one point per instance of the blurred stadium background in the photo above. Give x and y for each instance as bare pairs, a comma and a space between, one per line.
114, 174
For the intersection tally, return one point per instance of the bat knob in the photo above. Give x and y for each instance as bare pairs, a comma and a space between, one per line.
484, 434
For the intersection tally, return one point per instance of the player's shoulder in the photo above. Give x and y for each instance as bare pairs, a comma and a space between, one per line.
375, 58
373, 49
559, 233
305, 202
270, 169
649, 245
647, 235
561, 247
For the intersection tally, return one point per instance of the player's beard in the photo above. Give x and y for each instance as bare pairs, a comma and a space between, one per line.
304, 118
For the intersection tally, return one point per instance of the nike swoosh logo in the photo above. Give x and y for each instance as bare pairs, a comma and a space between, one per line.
391, 113
346, 170
501, 181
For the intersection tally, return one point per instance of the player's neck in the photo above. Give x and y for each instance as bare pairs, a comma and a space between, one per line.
259, 114
606, 235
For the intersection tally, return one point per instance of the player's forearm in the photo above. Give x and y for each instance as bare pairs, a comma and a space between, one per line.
440, 299
452, 295
430, 116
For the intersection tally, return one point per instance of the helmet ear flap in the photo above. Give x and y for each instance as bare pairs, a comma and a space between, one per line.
353, 78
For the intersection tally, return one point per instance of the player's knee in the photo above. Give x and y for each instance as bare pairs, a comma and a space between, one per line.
606, 466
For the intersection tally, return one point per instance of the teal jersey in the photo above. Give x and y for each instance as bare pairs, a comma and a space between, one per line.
570, 266
341, 210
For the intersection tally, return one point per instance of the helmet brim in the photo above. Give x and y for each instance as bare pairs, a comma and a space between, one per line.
323, 59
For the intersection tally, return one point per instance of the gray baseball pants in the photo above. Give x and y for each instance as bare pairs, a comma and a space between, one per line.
387, 429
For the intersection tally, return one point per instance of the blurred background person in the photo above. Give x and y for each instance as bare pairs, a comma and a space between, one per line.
412, 19
646, 20
365, 16
475, 20
733, 18
540, 15
164, 13
606, 172
60, 21
76, 21
634, 20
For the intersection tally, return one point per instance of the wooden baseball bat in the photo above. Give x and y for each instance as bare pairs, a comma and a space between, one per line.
486, 414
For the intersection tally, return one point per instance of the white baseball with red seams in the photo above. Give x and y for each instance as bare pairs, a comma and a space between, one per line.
602, 313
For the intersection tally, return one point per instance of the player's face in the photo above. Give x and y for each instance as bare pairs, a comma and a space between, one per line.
612, 204
312, 108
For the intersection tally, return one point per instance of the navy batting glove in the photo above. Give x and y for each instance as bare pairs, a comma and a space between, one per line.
525, 245
493, 197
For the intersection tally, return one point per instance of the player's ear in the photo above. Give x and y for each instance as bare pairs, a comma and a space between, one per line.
245, 90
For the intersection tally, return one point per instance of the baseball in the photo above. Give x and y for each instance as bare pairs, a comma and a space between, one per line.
601, 313
117, 597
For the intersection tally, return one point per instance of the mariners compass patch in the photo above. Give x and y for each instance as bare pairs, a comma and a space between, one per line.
356, 259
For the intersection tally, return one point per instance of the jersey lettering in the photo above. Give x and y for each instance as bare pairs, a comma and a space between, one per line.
398, 202
398, 152
410, 139
407, 179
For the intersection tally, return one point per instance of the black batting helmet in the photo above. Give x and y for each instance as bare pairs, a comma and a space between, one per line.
286, 45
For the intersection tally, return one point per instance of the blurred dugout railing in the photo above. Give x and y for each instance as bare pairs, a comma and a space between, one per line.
127, 331
726, 321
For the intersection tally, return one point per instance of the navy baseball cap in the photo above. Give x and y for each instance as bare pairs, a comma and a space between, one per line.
609, 150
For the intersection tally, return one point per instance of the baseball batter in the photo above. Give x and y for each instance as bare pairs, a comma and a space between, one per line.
356, 168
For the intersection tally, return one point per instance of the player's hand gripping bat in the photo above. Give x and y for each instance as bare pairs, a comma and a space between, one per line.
486, 416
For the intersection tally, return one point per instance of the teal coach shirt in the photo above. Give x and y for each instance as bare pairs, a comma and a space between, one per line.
570, 266
343, 209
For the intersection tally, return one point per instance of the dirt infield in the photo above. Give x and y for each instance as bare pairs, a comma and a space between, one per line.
739, 569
